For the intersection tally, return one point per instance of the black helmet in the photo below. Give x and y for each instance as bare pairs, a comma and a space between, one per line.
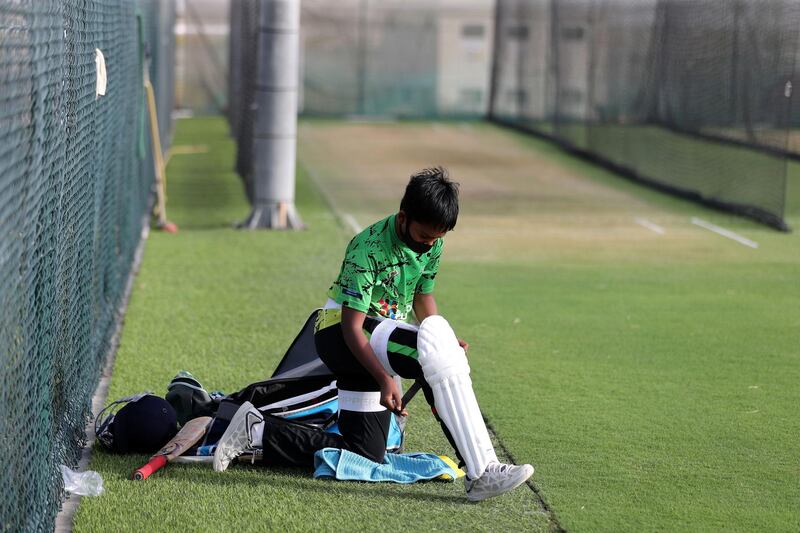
141, 423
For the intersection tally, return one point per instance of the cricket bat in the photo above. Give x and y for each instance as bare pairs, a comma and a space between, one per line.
190, 433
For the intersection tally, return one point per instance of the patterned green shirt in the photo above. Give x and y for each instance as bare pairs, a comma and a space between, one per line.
380, 275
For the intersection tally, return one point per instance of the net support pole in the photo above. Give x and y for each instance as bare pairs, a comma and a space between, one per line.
275, 120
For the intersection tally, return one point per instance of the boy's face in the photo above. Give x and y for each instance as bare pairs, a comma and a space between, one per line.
418, 232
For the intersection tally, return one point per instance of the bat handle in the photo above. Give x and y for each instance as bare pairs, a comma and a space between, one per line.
144, 472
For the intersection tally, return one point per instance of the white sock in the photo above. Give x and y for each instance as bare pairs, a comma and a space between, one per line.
257, 435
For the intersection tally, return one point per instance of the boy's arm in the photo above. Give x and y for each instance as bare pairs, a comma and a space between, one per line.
352, 330
425, 306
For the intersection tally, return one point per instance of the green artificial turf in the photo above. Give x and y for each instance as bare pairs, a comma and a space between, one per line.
651, 379
225, 304
793, 194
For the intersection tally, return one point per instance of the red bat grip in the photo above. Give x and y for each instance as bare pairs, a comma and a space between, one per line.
145, 471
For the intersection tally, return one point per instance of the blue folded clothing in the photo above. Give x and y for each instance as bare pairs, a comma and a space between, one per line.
397, 468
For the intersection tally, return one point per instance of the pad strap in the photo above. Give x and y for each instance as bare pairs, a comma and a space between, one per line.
379, 340
360, 402
380, 343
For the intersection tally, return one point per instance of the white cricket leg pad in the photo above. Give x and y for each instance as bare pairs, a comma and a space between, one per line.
379, 340
445, 367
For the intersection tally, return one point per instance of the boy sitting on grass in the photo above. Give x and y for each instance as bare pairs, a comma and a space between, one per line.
362, 335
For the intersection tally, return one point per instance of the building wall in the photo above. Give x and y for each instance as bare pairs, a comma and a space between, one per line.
465, 36
412, 58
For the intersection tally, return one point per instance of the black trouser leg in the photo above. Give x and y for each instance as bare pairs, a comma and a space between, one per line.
288, 443
365, 433
362, 433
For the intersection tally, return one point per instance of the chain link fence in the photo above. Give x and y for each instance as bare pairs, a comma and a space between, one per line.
75, 183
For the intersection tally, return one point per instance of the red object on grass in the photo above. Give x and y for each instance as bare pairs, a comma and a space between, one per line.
169, 227
155, 464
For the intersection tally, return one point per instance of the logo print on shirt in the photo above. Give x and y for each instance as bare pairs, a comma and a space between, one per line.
351, 292
388, 308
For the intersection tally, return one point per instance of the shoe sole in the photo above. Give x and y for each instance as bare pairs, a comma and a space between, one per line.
509, 489
223, 446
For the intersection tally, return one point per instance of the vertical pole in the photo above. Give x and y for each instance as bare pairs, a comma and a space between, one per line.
554, 70
495, 67
523, 32
734, 88
275, 119
362, 57
158, 161
589, 107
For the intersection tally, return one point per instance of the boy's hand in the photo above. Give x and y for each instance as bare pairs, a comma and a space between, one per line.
352, 330
391, 397
463, 344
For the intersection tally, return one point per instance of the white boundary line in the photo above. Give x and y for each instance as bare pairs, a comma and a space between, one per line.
351, 221
652, 226
346, 219
724, 232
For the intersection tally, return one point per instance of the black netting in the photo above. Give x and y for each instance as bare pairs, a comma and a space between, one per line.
75, 178
243, 49
374, 59
692, 96
394, 58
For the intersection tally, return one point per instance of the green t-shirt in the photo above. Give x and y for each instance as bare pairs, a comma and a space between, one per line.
380, 275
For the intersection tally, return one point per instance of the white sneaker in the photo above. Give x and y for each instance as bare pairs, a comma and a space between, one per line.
237, 438
497, 479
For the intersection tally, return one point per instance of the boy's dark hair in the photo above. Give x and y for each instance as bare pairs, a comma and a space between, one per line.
432, 198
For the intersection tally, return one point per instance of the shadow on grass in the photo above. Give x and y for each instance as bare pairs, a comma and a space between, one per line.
288, 478
200, 227
358, 487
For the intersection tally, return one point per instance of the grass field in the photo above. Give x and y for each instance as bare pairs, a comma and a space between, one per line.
225, 304
650, 378
718, 170
793, 193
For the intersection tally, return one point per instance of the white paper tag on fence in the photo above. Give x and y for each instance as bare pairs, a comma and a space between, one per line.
102, 78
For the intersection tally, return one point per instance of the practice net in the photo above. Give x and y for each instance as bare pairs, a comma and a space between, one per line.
75, 181
691, 96
380, 58
242, 53
396, 58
